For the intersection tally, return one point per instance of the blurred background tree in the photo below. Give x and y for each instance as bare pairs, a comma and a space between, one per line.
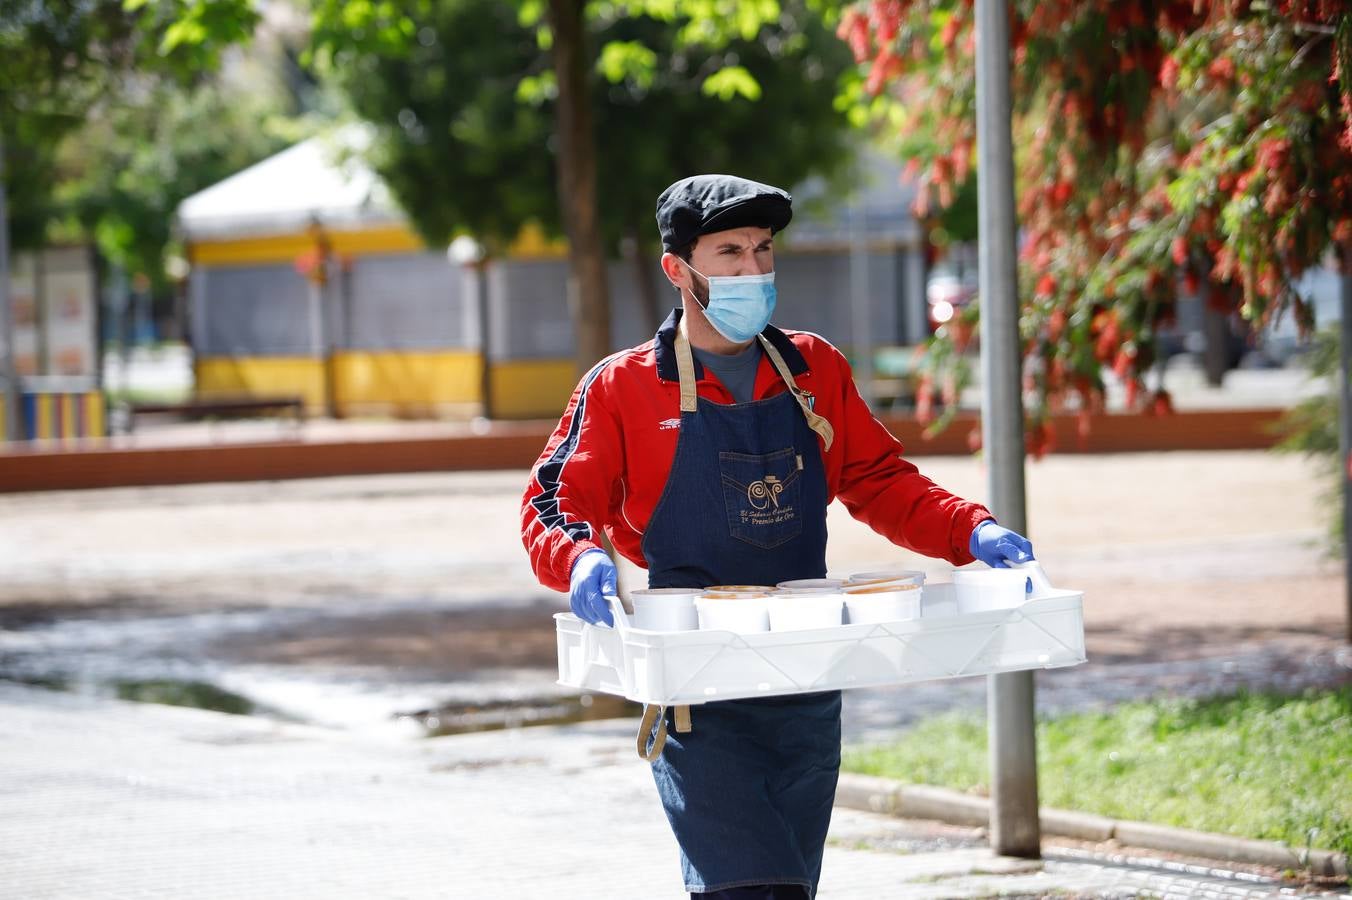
1164, 148
114, 111
462, 96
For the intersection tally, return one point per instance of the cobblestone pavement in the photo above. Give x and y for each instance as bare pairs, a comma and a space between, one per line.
106, 799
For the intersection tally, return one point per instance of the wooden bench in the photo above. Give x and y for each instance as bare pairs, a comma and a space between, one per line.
221, 408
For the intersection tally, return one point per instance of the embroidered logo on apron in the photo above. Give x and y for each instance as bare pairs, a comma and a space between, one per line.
762, 494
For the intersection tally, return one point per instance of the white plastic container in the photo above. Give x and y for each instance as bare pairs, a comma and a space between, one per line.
979, 590
740, 614
811, 585
938, 601
665, 609
802, 610
890, 576
888, 602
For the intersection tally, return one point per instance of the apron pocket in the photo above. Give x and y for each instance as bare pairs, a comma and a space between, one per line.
762, 494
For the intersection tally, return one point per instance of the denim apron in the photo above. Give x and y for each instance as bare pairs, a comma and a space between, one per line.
747, 785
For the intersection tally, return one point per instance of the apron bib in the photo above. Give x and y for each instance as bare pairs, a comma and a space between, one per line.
748, 785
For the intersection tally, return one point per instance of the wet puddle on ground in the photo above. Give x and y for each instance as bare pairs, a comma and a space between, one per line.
414, 668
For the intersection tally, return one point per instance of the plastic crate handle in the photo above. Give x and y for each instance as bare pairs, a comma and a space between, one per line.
617, 610
590, 635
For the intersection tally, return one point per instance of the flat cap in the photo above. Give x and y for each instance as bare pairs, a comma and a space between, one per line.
703, 204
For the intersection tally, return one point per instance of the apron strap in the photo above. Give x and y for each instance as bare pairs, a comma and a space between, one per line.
650, 744
652, 715
814, 421
685, 370
683, 719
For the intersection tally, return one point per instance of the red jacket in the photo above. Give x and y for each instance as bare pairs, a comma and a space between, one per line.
606, 463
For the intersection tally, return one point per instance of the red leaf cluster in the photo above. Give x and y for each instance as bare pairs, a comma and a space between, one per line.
1165, 148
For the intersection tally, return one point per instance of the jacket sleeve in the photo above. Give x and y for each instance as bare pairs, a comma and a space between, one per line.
887, 493
573, 484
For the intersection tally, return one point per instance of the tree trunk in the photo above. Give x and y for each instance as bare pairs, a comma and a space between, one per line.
588, 294
645, 268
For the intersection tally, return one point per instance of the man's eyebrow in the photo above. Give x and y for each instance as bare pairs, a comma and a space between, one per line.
734, 246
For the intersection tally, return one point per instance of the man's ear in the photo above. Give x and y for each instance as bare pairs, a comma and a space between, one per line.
675, 270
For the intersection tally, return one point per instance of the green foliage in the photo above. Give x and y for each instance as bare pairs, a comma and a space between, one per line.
192, 33
439, 81
630, 61
128, 170
60, 58
463, 105
674, 127
732, 81
1256, 765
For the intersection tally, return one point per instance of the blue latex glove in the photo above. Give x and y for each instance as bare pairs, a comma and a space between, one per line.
997, 546
593, 577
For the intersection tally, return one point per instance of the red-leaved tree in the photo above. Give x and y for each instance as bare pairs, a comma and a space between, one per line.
1163, 148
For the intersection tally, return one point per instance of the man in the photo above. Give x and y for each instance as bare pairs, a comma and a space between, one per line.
658, 447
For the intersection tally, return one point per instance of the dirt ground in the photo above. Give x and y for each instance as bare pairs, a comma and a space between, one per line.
1179, 554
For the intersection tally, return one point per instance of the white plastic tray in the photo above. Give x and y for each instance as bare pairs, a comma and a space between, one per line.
687, 667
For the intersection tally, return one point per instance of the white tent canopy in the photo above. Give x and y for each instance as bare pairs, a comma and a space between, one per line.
322, 179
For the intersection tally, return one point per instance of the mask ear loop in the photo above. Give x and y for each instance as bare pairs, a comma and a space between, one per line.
694, 296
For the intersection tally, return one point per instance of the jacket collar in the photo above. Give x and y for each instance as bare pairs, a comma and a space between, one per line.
665, 347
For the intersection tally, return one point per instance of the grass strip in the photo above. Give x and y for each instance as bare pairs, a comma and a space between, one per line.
1263, 766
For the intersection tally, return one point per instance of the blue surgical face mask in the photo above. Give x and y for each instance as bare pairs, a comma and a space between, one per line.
740, 306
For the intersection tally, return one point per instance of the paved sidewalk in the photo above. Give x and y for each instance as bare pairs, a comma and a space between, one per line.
105, 799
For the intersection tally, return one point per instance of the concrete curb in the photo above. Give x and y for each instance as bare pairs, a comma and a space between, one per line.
883, 795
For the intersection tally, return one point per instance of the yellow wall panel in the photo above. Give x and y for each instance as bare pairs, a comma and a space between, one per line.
262, 376
285, 248
394, 239
530, 243
276, 248
94, 415
67, 404
532, 388
402, 383
46, 427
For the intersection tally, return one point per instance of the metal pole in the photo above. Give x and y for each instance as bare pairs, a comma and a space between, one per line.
1345, 426
1013, 751
8, 372
861, 326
